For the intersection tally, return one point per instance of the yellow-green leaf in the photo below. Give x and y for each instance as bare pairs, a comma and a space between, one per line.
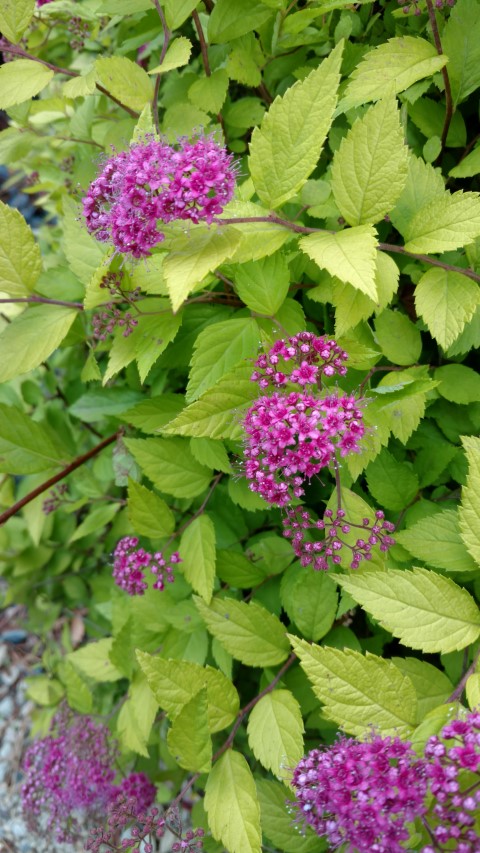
21, 80
197, 550
445, 223
20, 260
189, 739
15, 16
275, 731
446, 301
231, 804
32, 337
125, 80
469, 510
178, 54
350, 255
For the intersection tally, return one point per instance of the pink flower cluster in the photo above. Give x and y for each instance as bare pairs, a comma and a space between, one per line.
291, 437
311, 358
155, 181
297, 522
139, 786
129, 563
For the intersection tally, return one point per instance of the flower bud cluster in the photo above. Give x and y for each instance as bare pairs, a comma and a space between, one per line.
311, 358
318, 554
130, 562
105, 322
55, 500
153, 182
123, 813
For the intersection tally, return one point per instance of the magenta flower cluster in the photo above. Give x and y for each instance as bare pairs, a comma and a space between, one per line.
318, 553
140, 787
312, 357
153, 182
366, 795
130, 562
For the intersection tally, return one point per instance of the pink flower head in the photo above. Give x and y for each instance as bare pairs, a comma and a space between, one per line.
311, 358
130, 562
138, 785
361, 794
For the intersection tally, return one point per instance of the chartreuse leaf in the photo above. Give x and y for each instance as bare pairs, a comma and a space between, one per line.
275, 731
175, 682
137, 716
189, 739
431, 684
178, 54
25, 445
212, 453
152, 415
32, 337
20, 260
369, 169
244, 60
169, 464
446, 301
22, 80
125, 80
472, 689
352, 306
458, 383
210, 92
146, 342
249, 632
263, 285
285, 148
424, 183
423, 609
148, 514
461, 43
77, 688
94, 660
392, 483
177, 11
437, 540
95, 520
391, 67
447, 222
218, 349
193, 256
277, 823
469, 510
359, 691
85, 255
79, 87
350, 255
197, 550
233, 18
310, 600
398, 337
231, 804
257, 239
399, 404
15, 16
469, 166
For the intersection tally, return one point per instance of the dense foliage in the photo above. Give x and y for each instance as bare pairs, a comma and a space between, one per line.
240, 488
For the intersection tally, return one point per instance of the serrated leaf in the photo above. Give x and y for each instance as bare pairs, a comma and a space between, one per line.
359, 691
432, 686
257, 239
212, 453
97, 519
447, 222
263, 285
446, 301
175, 682
209, 93
94, 660
352, 306
79, 87
310, 600
85, 255
285, 148
20, 259
178, 54
461, 43
423, 609
146, 342
472, 689
392, 483
152, 415
391, 67
231, 804
249, 632
468, 166
27, 446
15, 16
350, 255
32, 337
233, 18
125, 80
177, 11
437, 541
244, 60
148, 514
169, 464
22, 80
398, 337
237, 571
79, 694
276, 820
369, 169
137, 716
218, 349
189, 739
197, 550
424, 183
469, 509
275, 731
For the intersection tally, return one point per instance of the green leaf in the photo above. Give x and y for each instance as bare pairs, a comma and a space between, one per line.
137, 716
44, 690
189, 739
178, 54
79, 87
424, 183
461, 43
79, 694
472, 689
209, 93
446, 301
15, 16
263, 285
391, 68
399, 339
423, 609
429, 117
170, 465
233, 18
85, 255
231, 804
393, 484
95, 520
431, 684
352, 306
458, 383
20, 260
197, 550
359, 691
244, 60
237, 571
447, 222
249, 632
152, 415
32, 337
285, 148
218, 349
276, 820
350, 255
146, 342
310, 600
257, 239
212, 453
148, 514
27, 446
399, 405
193, 256
175, 682
177, 11
469, 509
22, 80
275, 731
107, 402
437, 541
94, 661
468, 167
369, 170
125, 80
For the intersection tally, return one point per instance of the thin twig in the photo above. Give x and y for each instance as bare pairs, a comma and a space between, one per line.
44, 301
446, 79
203, 43
166, 41
461, 684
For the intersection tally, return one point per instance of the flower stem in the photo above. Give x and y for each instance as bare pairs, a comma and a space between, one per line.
446, 79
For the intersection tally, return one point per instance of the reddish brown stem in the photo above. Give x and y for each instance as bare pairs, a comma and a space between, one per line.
446, 79
455, 696
166, 41
44, 301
